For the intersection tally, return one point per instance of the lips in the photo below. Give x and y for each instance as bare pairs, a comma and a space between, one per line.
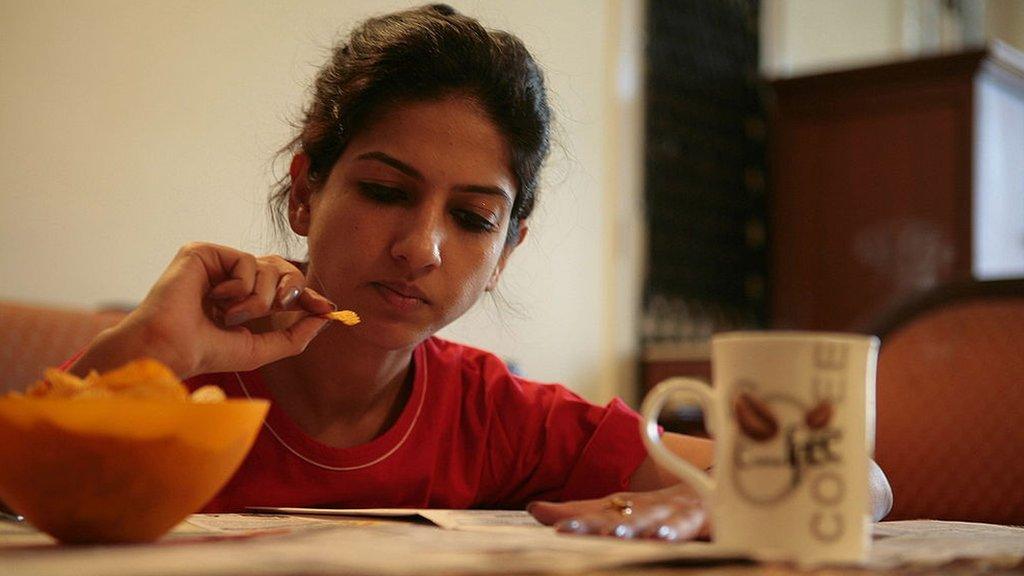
401, 294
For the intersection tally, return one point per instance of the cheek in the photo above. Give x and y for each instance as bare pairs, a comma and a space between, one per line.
477, 268
337, 227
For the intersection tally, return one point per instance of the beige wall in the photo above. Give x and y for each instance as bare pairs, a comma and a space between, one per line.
804, 36
1005, 21
807, 36
130, 127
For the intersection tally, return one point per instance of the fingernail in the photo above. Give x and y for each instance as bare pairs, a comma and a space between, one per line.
665, 533
236, 318
574, 526
530, 506
622, 531
289, 297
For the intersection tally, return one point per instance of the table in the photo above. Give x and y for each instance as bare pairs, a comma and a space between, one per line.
474, 543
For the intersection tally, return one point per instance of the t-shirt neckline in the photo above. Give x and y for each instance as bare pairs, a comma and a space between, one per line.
281, 427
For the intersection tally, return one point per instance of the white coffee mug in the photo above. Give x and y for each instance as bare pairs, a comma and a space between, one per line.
792, 416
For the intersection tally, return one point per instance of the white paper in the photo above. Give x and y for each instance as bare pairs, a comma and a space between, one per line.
485, 520
344, 545
933, 543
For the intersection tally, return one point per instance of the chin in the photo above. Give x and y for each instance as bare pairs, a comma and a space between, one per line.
388, 336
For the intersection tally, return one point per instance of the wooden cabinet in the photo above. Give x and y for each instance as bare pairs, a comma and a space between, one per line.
888, 180
663, 361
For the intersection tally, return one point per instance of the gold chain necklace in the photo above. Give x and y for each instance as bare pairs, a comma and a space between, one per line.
266, 424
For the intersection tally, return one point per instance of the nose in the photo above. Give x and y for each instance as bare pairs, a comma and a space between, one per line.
418, 241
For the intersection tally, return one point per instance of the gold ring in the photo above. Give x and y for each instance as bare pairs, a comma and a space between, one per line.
623, 505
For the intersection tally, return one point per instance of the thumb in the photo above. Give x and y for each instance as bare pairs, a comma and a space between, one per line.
550, 512
302, 332
272, 346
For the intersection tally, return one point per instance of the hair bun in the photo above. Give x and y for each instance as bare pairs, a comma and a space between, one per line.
444, 9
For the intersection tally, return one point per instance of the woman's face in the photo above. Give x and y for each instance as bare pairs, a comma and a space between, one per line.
410, 227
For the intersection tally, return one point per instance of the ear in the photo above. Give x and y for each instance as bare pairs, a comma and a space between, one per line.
492, 282
298, 197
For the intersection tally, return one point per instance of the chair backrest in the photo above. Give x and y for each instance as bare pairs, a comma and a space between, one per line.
33, 338
950, 404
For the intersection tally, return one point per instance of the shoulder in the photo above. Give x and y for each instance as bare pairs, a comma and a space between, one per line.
448, 354
477, 371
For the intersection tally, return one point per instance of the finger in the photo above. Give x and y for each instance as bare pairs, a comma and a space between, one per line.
550, 513
287, 294
231, 272
265, 290
705, 530
614, 523
290, 282
312, 302
681, 525
260, 301
544, 512
204, 266
619, 529
599, 524
271, 346
243, 269
661, 532
291, 340
575, 526
232, 289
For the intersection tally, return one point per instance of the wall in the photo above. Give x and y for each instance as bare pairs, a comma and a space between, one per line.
1004, 20
806, 36
131, 127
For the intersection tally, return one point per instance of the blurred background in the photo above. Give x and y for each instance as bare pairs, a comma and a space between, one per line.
719, 164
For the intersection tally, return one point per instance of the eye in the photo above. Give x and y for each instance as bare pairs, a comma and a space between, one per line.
381, 193
473, 222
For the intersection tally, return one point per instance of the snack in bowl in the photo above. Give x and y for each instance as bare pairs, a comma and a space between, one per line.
121, 456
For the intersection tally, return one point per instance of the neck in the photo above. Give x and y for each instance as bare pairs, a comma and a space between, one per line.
340, 390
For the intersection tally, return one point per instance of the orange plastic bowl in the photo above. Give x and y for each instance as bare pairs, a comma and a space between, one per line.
118, 469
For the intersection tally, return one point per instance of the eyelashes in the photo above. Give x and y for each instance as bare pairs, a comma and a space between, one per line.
466, 218
381, 193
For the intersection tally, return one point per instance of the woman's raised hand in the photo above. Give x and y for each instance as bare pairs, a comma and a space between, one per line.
673, 513
192, 317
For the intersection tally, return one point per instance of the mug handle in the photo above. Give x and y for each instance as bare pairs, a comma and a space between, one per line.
651, 408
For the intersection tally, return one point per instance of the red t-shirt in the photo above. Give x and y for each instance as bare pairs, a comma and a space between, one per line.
472, 435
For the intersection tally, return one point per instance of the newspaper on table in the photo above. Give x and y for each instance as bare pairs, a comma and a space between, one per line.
477, 520
475, 542
228, 544
922, 543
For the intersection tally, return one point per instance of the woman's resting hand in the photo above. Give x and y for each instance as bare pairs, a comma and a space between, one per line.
192, 317
673, 513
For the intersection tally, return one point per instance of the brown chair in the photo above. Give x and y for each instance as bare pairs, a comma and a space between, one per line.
950, 402
35, 337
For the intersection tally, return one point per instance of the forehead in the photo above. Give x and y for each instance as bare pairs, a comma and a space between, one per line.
450, 138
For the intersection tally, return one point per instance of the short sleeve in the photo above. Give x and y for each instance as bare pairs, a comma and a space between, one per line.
610, 457
547, 443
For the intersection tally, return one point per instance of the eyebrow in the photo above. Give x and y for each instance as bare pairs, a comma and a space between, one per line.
393, 162
414, 173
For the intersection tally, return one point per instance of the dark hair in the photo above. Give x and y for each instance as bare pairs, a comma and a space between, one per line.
424, 54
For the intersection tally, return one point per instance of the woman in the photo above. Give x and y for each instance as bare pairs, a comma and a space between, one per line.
412, 181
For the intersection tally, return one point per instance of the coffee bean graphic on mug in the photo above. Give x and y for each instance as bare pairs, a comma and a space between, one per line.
781, 439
